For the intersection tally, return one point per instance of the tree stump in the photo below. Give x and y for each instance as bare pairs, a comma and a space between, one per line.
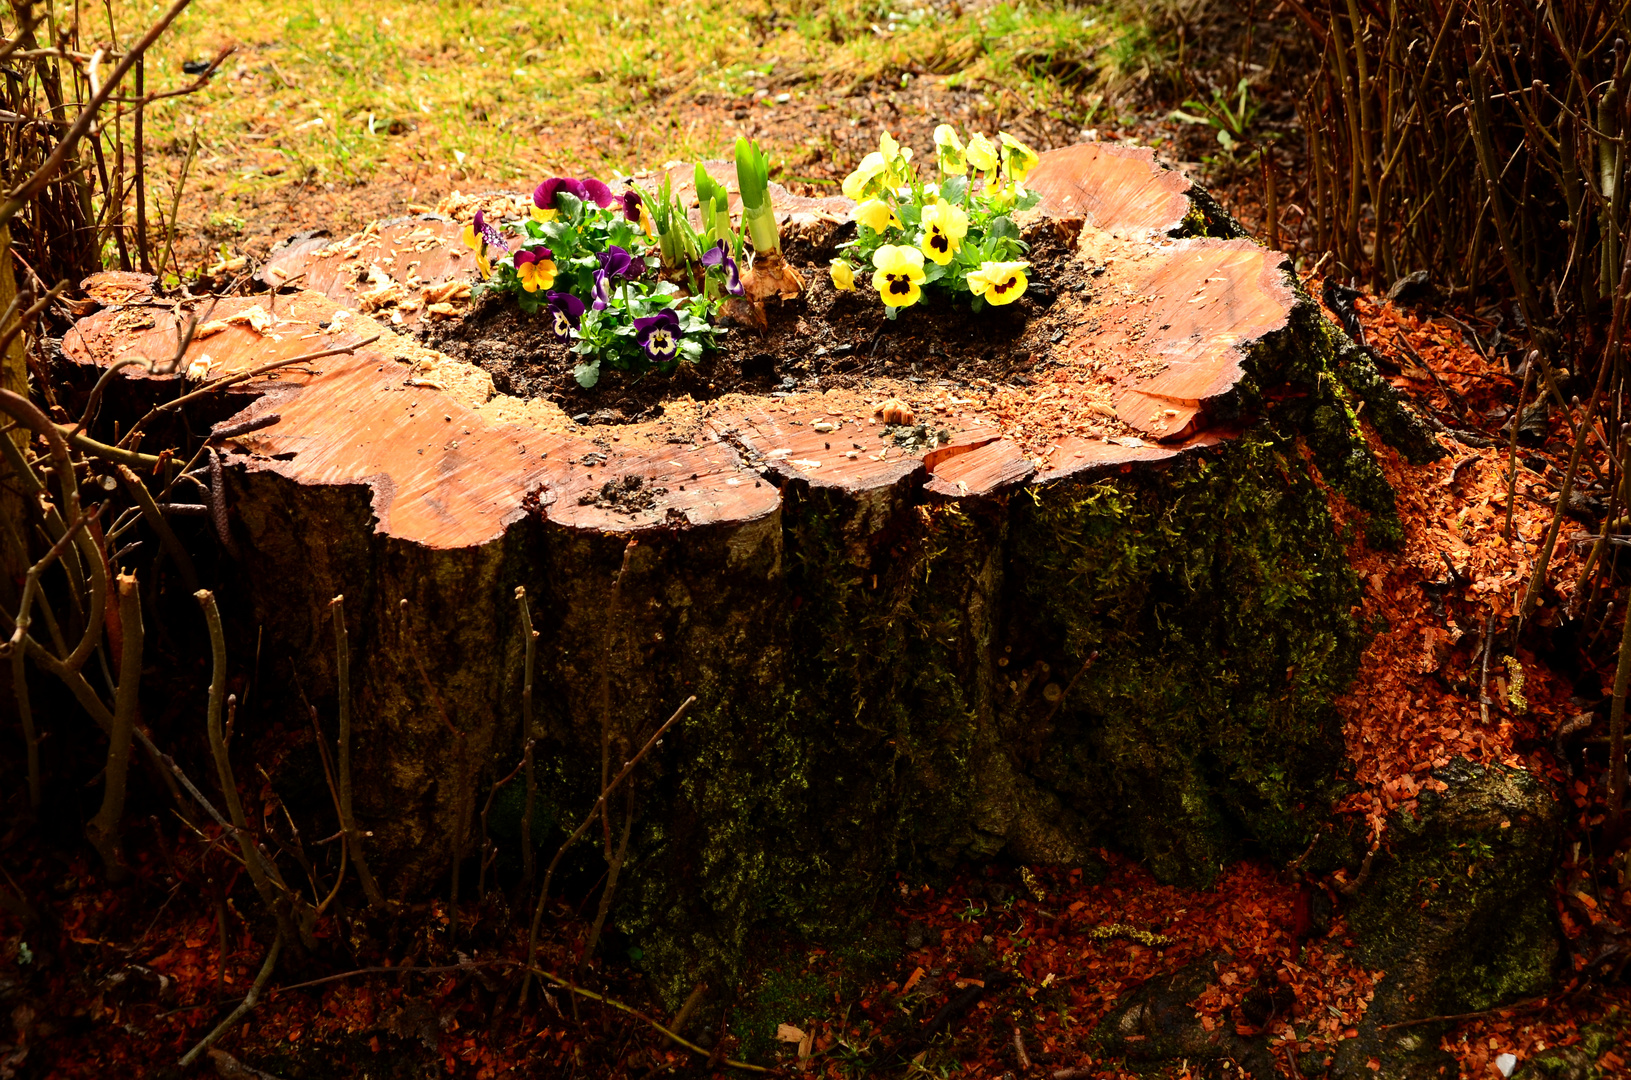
1008, 637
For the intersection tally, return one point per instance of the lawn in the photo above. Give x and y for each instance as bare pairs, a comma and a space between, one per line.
328, 114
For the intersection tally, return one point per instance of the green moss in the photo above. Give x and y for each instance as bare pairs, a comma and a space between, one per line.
889, 691
1465, 898
1218, 602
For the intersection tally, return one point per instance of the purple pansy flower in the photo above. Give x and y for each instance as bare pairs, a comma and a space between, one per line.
565, 311
591, 190
615, 262
718, 256
659, 335
631, 205
601, 291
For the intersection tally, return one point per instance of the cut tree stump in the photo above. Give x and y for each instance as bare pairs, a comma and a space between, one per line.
1110, 609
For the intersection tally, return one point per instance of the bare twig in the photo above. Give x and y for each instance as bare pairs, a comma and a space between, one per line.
1019, 1051
489, 850
613, 870
104, 828
529, 638
249, 1002
21, 195
348, 819
1483, 674
637, 1014
243, 376
175, 206
261, 872
1516, 1006
1512, 447
628, 767
155, 521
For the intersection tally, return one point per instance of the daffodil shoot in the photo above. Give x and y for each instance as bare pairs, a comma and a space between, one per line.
956, 236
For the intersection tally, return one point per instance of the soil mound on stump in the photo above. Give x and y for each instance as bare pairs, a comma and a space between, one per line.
1097, 595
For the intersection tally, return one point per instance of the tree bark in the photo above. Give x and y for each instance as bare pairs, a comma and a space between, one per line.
881, 637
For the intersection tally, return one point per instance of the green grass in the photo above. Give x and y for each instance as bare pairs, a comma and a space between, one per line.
502, 92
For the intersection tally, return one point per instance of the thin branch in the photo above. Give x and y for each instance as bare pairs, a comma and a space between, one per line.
20, 196
155, 521
638, 1015
529, 638
348, 819
104, 828
243, 376
249, 1002
628, 767
261, 872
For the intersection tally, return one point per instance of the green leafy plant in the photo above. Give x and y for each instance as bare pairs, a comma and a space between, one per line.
1230, 115
585, 258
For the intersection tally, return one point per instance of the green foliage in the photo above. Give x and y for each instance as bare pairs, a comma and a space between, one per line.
1230, 115
591, 267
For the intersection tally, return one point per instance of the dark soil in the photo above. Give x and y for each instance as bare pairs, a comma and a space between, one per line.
824, 339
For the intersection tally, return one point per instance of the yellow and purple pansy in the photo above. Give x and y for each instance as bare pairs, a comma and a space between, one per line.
587, 190
999, 282
659, 335
564, 312
536, 268
944, 226
899, 275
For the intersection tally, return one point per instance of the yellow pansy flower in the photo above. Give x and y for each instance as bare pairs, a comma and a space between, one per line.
944, 226
1017, 159
981, 154
899, 277
535, 269
843, 275
865, 181
949, 149
999, 282
541, 215
876, 215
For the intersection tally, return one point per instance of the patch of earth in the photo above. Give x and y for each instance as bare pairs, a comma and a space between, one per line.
828, 342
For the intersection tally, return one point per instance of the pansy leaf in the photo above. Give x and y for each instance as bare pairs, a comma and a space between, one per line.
586, 374
691, 350
561, 236
1002, 228
954, 188
571, 207
909, 214
1027, 200
933, 271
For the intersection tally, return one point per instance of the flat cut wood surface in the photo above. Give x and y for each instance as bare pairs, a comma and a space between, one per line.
450, 463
